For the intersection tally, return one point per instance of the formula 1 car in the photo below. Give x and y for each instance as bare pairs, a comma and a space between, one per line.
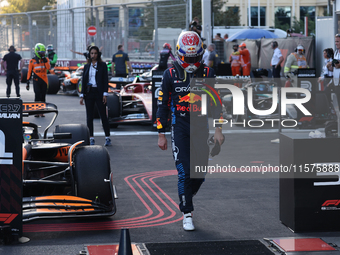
133, 103
263, 100
62, 175
72, 84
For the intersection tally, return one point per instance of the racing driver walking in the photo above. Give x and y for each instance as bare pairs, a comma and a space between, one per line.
39, 65
175, 95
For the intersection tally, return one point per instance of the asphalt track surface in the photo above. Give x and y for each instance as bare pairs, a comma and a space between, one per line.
243, 208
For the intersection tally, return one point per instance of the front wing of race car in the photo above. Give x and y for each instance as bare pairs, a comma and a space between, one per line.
65, 206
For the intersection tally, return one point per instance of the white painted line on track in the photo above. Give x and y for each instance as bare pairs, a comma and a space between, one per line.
247, 131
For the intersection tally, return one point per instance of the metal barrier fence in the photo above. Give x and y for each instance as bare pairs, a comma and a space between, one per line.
140, 27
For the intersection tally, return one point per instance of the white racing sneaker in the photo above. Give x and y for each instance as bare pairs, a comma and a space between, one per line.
188, 225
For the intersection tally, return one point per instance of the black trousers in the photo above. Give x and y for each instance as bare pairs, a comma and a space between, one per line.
40, 90
332, 89
93, 97
276, 71
10, 76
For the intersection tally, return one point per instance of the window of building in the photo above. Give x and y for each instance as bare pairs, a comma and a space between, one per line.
308, 11
254, 16
282, 17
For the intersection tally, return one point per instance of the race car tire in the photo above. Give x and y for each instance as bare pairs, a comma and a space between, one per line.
23, 75
91, 168
79, 87
79, 132
53, 84
114, 106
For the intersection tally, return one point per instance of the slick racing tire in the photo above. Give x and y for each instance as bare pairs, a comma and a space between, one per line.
23, 75
53, 84
114, 106
79, 132
91, 168
79, 87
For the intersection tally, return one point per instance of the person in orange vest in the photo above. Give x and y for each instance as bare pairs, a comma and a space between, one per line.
245, 60
295, 60
235, 61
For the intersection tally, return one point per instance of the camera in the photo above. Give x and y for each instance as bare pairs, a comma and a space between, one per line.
335, 62
193, 24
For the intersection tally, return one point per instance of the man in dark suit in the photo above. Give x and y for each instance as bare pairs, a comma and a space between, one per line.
95, 91
12, 72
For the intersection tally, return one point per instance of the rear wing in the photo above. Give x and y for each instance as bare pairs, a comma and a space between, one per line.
32, 108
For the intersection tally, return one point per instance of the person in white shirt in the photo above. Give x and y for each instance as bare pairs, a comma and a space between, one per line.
205, 57
326, 75
276, 61
335, 67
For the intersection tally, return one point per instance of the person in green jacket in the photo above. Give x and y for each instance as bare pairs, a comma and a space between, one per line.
52, 56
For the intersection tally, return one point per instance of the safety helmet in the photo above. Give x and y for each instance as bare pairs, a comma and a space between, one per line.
167, 45
50, 48
189, 51
39, 50
300, 47
243, 45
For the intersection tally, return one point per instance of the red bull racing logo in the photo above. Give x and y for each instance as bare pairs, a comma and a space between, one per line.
190, 98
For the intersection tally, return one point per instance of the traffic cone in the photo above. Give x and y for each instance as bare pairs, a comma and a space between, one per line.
125, 243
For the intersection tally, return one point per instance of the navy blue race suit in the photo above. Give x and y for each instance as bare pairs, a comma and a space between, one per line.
175, 96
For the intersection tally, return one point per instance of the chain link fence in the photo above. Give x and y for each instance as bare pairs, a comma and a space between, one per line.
142, 28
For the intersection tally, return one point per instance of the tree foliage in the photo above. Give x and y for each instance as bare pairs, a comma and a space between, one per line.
16, 6
229, 17
167, 17
298, 26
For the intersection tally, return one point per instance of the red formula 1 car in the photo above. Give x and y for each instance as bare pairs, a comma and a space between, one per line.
63, 176
133, 103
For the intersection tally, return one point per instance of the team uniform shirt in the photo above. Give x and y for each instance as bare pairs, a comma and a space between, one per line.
336, 71
39, 69
12, 59
175, 95
276, 57
53, 58
120, 59
213, 56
